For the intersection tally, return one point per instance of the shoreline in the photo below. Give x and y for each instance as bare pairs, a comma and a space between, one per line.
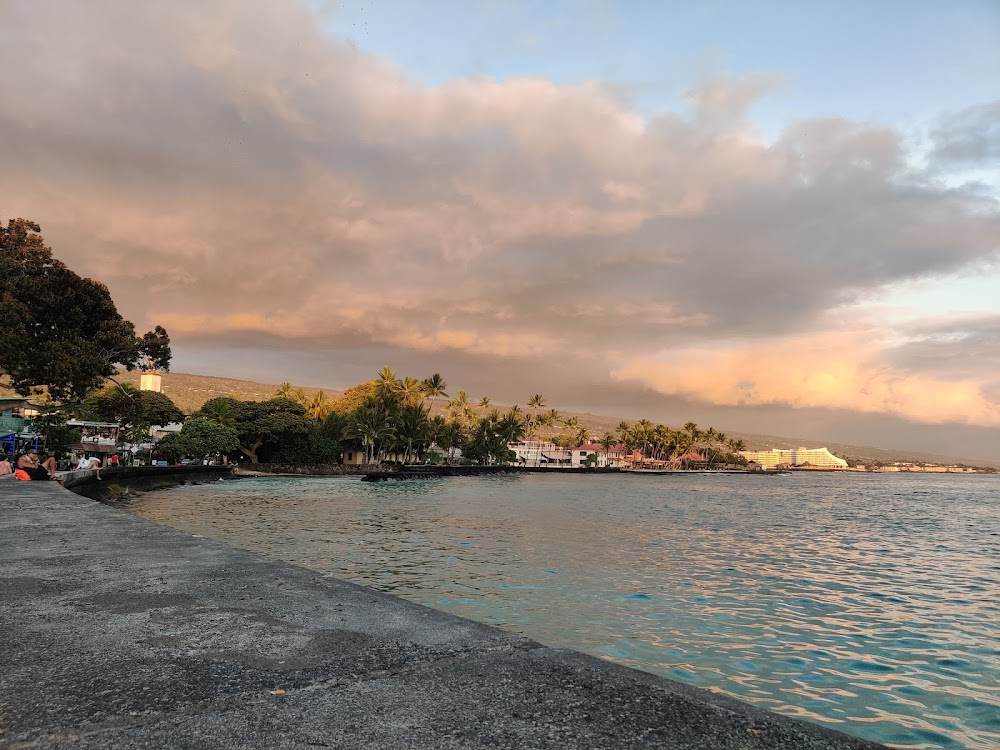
125, 632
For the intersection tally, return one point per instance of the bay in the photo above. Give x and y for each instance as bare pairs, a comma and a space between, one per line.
865, 602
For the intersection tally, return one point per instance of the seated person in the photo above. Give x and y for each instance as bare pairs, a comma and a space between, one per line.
29, 463
94, 464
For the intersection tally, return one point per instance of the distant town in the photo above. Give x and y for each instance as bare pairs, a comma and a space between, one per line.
386, 421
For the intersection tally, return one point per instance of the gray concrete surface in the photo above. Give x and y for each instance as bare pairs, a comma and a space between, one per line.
116, 632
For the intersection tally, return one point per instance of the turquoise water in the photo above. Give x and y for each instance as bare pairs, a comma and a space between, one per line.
869, 603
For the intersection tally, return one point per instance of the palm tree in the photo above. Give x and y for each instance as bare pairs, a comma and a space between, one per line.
371, 425
582, 435
387, 381
623, 428
410, 389
484, 403
413, 429
511, 425
319, 406
606, 443
434, 387
460, 408
220, 410
284, 391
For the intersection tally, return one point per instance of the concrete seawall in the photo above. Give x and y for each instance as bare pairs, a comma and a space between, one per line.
117, 632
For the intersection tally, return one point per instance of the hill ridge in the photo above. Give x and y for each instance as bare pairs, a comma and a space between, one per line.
190, 391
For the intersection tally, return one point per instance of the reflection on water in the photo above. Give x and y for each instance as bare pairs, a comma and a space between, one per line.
870, 603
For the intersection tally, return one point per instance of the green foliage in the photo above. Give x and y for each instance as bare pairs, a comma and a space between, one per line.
311, 448
199, 437
128, 406
62, 331
354, 397
59, 438
261, 424
488, 443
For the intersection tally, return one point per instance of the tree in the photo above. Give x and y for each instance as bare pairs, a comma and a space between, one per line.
371, 425
127, 406
434, 387
62, 331
261, 426
199, 437
413, 429
355, 396
411, 390
221, 410
59, 437
607, 443
387, 381
319, 406
488, 442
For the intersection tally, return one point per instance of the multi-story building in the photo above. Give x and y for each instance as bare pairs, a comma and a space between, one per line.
819, 458
547, 453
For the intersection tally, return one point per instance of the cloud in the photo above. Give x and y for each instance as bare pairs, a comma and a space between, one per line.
232, 170
831, 370
970, 137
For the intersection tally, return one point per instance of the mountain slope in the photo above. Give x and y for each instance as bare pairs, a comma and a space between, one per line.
189, 392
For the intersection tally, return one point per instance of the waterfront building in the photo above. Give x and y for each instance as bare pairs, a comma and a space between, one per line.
16, 431
99, 438
540, 453
818, 458
547, 453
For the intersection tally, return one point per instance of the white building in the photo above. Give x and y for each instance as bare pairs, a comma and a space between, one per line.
540, 453
819, 458
546, 453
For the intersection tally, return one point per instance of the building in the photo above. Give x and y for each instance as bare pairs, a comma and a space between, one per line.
540, 453
817, 458
100, 438
547, 453
150, 381
16, 433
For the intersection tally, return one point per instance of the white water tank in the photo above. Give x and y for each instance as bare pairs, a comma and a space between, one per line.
150, 381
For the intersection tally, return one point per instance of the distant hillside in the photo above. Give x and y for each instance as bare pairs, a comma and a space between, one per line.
189, 392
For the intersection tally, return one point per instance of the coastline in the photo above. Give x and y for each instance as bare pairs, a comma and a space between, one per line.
125, 632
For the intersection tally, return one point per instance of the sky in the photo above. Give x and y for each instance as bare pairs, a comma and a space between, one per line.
773, 217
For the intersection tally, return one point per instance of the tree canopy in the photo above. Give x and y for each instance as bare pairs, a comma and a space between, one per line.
128, 406
199, 437
60, 330
260, 425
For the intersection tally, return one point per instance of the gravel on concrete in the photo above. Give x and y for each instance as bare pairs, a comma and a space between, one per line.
118, 632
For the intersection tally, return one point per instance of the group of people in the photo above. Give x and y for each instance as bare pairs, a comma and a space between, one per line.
28, 467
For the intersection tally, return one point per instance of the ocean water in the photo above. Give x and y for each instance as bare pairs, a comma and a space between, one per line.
868, 603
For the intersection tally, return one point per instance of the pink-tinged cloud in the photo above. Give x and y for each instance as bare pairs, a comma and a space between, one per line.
832, 369
237, 175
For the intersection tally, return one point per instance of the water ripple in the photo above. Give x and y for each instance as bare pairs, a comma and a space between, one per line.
868, 603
